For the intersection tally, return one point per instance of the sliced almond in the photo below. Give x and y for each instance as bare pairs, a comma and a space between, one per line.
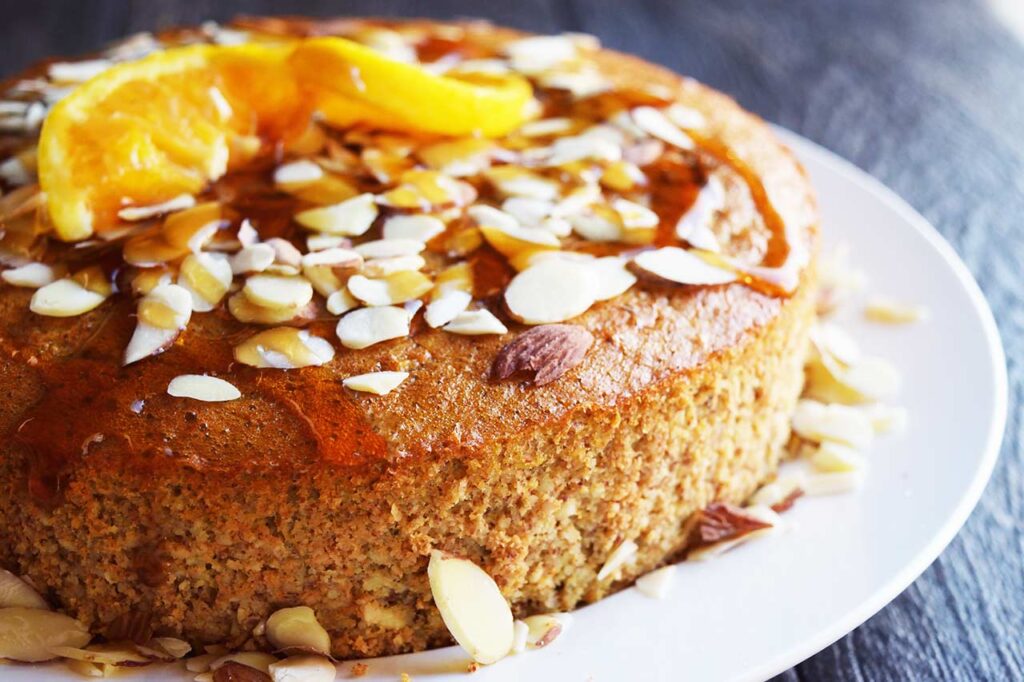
351, 217
686, 117
623, 176
64, 298
544, 629
322, 242
888, 311
303, 669
586, 146
427, 190
529, 295
340, 302
472, 607
658, 583
207, 278
459, 158
284, 348
865, 380
194, 227
742, 525
624, 553
673, 264
833, 457
513, 181
148, 279
527, 211
833, 483
537, 54
112, 653
886, 418
598, 224
475, 323
382, 268
16, 592
457, 277
446, 307
202, 387
285, 252
520, 633
171, 647
613, 277
378, 383
276, 292
337, 257
779, 490
368, 326
819, 422
30, 275
246, 311
420, 228
393, 289
583, 80
654, 122
389, 248
298, 627
136, 213
163, 313
635, 216
324, 279
77, 72
253, 258
29, 634
297, 173
695, 225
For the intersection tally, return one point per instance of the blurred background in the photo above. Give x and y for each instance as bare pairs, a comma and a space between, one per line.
926, 95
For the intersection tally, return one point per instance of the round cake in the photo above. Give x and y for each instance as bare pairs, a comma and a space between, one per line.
527, 342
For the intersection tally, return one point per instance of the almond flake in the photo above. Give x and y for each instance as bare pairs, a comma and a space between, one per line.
623, 176
28, 634
658, 583
446, 307
425, 190
194, 227
368, 326
457, 277
337, 257
379, 268
14, 172
529, 295
887, 311
720, 527
819, 422
378, 383
624, 553
520, 633
351, 217
285, 252
512, 181
598, 224
303, 669
686, 117
323, 278
284, 348
396, 288
389, 248
476, 322
527, 211
886, 418
64, 298
511, 242
322, 242
677, 265
253, 258
583, 81
635, 216
171, 647
779, 490
833, 457
296, 173
537, 54
115, 654
544, 629
340, 302
150, 278
202, 387
546, 126
867, 380
136, 213
77, 72
163, 313
420, 228
695, 225
246, 311
459, 158
587, 146
297, 627
654, 122
833, 483
613, 277
16, 592
273, 291
207, 278
30, 275
472, 607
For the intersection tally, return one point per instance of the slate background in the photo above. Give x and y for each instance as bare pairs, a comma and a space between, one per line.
926, 95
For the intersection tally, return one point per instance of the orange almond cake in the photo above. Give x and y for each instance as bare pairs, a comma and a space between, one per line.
288, 306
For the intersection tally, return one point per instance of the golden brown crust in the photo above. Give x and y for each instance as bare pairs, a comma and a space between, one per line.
305, 492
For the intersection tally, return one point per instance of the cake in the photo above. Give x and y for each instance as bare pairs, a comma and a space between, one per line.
603, 335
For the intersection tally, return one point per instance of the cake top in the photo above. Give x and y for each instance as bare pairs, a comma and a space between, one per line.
371, 197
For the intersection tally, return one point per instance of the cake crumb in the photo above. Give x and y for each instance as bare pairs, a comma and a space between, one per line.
359, 669
472, 667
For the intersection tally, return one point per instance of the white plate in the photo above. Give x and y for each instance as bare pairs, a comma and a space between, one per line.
767, 605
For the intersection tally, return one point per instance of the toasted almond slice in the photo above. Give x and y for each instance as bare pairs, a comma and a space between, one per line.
867, 380
673, 264
285, 252
658, 583
529, 295
635, 216
762, 514
544, 629
207, 278
171, 647
163, 314
321, 242
888, 311
695, 225
459, 158
520, 634
275, 292
379, 268
623, 176
28, 634
378, 383
396, 288
457, 277
323, 278
246, 311
537, 54
577, 201
351, 217
472, 607
686, 117
64, 298
778, 490
194, 227
527, 211
337, 257
547, 126
819, 422
298, 627
519, 240
77, 72
390, 248
624, 553
654, 122
296, 173
420, 228
485, 215
30, 275
86, 669
303, 669
113, 653
584, 147
833, 483
202, 387
284, 348
136, 213
476, 322
200, 664
833, 457
584, 80
446, 307
613, 277
340, 302
16, 592
368, 326
598, 224
427, 190
513, 181
254, 258
148, 279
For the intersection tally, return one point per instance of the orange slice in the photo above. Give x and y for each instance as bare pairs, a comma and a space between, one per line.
143, 132
353, 83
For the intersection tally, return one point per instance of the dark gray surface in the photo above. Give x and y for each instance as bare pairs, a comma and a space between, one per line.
926, 95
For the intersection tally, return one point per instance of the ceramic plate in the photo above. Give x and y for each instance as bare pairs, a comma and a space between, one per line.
767, 605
